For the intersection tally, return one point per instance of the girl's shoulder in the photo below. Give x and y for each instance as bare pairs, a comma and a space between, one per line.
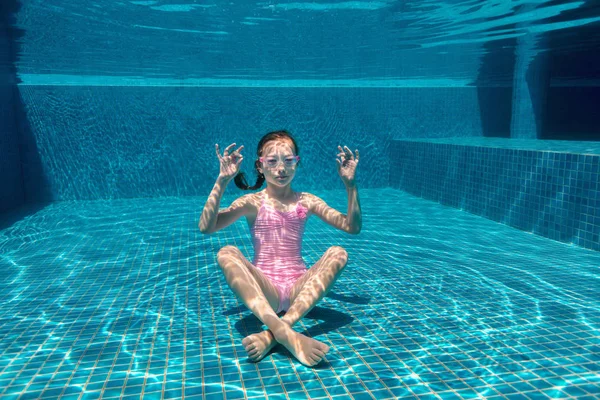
255, 199
306, 196
307, 199
250, 200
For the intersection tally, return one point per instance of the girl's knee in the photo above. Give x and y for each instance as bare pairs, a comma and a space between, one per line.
227, 253
339, 253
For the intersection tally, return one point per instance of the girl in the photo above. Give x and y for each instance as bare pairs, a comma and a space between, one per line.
277, 279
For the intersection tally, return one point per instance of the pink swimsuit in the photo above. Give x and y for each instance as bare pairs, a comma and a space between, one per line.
277, 238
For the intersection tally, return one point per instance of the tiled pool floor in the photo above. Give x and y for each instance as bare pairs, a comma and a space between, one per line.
123, 299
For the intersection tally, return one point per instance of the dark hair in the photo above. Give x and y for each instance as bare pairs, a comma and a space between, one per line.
240, 178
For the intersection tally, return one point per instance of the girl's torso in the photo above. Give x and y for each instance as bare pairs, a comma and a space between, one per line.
277, 231
260, 200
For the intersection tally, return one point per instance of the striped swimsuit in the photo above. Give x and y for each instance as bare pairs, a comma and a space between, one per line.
277, 239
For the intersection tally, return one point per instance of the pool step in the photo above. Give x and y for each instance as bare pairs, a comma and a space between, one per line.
549, 188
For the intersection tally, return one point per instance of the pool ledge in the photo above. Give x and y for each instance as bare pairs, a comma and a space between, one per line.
555, 146
549, 188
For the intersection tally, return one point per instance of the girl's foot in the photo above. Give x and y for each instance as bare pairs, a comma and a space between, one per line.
307, 350
258, 345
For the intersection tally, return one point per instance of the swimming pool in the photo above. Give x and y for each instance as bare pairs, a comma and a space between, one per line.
122, 298
109, 112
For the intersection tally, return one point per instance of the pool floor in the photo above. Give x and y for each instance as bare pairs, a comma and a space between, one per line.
123, 299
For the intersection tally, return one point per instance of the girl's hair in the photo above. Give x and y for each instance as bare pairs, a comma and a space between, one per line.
240, 178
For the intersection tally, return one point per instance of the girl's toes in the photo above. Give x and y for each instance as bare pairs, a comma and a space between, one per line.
316, 359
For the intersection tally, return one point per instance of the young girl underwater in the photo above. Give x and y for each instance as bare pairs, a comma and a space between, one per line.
277, 279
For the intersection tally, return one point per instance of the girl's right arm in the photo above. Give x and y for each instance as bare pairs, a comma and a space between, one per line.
211, 220
209, 217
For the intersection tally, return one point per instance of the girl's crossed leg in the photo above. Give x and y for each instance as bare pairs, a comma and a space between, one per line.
304, 295
261, 297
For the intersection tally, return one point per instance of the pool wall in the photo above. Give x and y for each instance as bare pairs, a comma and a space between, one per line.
109, 142
103, 142
11, 194
549, 193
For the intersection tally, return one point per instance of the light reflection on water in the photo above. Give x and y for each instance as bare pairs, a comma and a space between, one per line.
433, 300
244, 43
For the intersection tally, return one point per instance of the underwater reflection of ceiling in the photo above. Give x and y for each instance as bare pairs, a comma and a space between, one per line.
179, 39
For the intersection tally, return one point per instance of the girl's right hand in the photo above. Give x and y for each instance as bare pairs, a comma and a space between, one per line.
230, 163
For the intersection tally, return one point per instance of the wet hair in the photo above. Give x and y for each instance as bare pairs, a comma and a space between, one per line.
240, 178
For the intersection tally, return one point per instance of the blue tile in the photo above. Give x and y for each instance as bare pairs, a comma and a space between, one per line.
316, 393
479, 186
215, 396
361, 395
460, 297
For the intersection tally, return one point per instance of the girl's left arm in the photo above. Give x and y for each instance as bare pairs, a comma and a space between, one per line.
352, 221
346, 165
354, 215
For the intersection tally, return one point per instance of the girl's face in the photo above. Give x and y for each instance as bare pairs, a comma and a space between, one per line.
276, 166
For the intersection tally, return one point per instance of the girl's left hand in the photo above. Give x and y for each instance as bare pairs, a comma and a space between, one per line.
346, 165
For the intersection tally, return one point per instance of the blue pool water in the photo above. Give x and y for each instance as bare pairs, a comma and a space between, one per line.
123, 298
180, 41
109, 112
